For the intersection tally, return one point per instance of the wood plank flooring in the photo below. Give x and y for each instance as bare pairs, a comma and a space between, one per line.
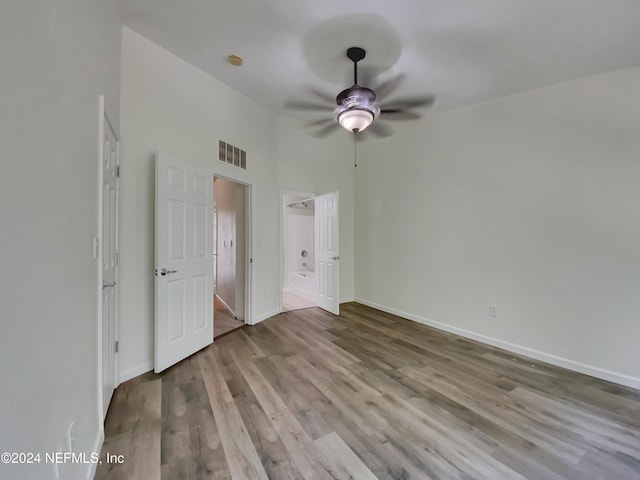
366, 395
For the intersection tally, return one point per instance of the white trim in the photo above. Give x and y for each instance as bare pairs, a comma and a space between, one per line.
91, 472
103, 121
347, 300
591, 370
248, 251
226, 307
135, 371
264, 316
98, 258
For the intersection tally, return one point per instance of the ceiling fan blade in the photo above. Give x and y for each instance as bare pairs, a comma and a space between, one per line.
399, 114
323, 132
385, 88
379, 130
410, 102
325, 97
296, 105
322, 121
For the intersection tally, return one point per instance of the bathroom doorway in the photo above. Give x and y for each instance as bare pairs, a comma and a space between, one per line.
310, 251
299, 284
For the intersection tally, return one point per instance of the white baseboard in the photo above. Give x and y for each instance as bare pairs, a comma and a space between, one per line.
91, 471
567, 363
135, 371
347, 300
264, 316
227, 307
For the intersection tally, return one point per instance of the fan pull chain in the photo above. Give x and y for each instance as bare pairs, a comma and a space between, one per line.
355, 156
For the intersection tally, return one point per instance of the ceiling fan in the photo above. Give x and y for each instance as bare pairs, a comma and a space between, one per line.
358, 107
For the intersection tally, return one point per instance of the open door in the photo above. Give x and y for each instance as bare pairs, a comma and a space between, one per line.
109, 215
327, 270
184, 267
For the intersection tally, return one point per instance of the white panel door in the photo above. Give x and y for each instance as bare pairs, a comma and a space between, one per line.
184, 266
110, 167
326, 228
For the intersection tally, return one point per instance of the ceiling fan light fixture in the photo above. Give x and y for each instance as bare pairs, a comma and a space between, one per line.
357, 108
355, 119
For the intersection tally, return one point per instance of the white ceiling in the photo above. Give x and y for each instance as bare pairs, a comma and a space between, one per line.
463, 51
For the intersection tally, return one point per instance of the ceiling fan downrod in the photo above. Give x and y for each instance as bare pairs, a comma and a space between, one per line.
355, 54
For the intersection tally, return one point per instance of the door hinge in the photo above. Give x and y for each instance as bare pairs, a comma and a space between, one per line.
251, 260
117, 346
117, 171
117, 258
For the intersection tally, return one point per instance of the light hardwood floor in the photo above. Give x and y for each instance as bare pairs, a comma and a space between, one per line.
368, 395
223, 322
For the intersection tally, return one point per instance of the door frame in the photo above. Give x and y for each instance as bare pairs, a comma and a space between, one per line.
281, 272
248, 244
104, 122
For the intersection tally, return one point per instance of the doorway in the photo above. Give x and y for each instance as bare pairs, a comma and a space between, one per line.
309, 251
299, 285
230, 242
184, 260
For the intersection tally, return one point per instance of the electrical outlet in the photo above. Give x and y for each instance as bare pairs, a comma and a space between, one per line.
493, 311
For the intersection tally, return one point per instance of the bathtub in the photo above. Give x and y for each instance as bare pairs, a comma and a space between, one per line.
303, 283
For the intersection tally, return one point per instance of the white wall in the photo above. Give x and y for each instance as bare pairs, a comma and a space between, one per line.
169, 105
528, 203
57, 57
308, 164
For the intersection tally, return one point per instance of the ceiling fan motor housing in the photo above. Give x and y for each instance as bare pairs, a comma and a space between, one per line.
356, 108
362, 98
356, 96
